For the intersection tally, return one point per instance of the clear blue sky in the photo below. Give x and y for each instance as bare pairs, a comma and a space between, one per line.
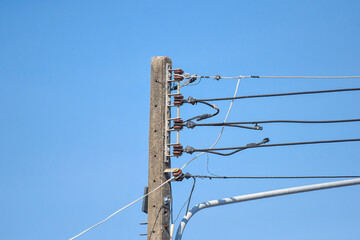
74, 101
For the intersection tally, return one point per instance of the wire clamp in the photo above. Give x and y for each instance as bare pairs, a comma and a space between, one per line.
190, 124
257, 127
217, 77
187, 175
191, 100
187, 75
189, 149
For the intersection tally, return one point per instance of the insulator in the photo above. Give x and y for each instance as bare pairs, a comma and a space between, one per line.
178, 121
178, 96
178, 127
177, 150
178, 147
178, 78
178, 175
178, 71
178, 124
177, 153
178, 103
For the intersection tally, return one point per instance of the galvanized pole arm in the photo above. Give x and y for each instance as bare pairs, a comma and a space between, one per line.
254, 196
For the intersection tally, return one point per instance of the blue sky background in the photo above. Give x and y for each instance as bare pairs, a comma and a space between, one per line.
74, 100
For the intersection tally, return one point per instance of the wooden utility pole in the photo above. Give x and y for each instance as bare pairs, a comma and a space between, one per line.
159, 201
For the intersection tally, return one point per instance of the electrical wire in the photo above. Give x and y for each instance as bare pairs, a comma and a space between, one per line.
192, 190
257, 145
193, 100
207, 115
218, 77
222, 129
97, 224
234, 124
188, 175
177, 216
187, 201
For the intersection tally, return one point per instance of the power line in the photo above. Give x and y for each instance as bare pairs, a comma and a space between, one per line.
188, 175
193, 100
319, 77
218, 77
192, 190
191, 124
111, 215
257, 145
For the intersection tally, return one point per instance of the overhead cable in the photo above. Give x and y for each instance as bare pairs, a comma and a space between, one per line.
191, 150
193, 100
218, 77
191, 124
188, 175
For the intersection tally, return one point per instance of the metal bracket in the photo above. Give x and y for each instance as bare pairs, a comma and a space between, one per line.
167, 113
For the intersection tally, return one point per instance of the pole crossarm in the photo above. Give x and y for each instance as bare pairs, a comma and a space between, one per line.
261, 195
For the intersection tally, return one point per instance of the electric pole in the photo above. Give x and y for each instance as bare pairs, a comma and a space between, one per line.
158, 227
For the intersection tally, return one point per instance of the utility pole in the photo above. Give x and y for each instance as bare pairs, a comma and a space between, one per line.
159, 140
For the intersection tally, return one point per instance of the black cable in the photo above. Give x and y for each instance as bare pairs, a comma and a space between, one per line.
257, 145
180, 211
237, 124
207, 115
264, 177
193, 100
187, 201
192, 190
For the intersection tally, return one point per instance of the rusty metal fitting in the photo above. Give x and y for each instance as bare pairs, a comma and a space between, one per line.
178, 175
177, 150
178, 71
178, 78
166, 226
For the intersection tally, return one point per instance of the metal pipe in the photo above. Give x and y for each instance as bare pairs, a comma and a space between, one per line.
254, 196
